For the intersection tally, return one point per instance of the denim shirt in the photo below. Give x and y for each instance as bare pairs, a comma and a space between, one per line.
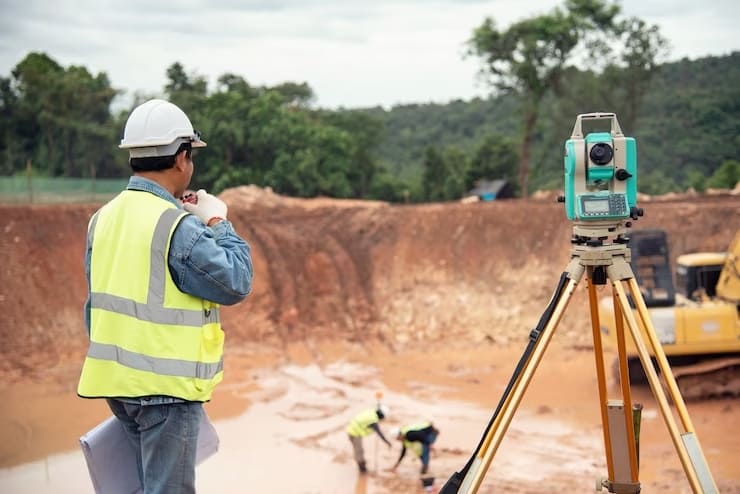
212, 263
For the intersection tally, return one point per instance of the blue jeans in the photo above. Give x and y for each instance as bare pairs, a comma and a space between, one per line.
425, 447
165, 438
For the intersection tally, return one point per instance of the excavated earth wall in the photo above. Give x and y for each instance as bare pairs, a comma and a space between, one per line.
451, 273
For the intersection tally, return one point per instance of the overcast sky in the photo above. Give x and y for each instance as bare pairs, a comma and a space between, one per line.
352, 53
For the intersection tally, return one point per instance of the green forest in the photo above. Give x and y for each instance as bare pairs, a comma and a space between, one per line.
687, 131
685, 116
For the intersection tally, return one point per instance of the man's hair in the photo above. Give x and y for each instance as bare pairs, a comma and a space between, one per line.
156, 163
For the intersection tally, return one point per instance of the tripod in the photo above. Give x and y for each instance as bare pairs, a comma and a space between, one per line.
599, 261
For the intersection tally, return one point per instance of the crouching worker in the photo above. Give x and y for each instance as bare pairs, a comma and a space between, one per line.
363, 424
418, 438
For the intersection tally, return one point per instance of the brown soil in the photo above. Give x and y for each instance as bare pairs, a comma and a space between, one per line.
437, 299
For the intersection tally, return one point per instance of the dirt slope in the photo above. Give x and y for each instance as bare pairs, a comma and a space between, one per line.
450, 273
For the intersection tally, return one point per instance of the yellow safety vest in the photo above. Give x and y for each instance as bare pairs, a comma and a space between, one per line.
146, 336
360, 425
414, 446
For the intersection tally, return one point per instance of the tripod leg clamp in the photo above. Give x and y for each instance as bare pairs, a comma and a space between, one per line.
621, 487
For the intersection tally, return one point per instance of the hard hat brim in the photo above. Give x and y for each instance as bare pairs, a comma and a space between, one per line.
166, 150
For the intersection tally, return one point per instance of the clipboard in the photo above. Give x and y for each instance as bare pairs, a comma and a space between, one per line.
111, 459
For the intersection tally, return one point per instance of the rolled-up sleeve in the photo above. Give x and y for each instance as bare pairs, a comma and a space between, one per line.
213, 263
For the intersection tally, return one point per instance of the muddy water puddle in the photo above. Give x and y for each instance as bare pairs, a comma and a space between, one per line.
290, 438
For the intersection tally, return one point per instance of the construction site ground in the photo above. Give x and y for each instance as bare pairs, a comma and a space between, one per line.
429, 305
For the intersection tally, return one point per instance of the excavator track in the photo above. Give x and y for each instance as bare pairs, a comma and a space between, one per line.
710, 379
705, 380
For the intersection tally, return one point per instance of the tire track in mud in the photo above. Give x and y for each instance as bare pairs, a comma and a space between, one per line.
281, 283
354, 274
319, 274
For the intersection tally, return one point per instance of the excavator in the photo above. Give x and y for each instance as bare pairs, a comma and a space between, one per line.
696, 318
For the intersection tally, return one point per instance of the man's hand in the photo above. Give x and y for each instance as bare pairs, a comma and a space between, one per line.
188, 196
206, 207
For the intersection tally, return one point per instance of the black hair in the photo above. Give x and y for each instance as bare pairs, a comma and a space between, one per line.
156, 163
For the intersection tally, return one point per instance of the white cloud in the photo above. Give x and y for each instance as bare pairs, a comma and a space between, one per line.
352, 53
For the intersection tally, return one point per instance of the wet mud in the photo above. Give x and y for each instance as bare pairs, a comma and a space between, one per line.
281, 425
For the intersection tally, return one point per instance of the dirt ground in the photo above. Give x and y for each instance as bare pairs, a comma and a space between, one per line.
430, 305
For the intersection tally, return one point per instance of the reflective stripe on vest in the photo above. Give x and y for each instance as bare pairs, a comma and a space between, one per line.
154, 339
360, 425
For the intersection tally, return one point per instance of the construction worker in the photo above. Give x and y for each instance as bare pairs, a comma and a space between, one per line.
156, 276
417, 437
363, 424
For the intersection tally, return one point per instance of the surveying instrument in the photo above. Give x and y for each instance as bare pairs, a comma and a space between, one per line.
601, 199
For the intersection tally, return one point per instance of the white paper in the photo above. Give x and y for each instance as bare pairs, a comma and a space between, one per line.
111, 459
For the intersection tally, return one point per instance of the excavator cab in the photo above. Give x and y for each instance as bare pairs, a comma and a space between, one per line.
651, 266
697, 275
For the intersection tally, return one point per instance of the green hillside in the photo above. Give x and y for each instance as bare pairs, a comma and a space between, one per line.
688, 126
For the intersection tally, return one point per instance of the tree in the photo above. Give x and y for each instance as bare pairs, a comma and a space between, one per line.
9, 143
296, 94
626, 79
37, 79
726, 177
188, 91
366, 130
528, 59
69, 109
456, 164
434, 175
494, 159
444, 173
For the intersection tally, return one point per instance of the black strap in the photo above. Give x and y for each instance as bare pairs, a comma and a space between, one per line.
453, 484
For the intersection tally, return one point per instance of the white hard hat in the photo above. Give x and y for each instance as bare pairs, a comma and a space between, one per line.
157, 128
395, 431
384, 410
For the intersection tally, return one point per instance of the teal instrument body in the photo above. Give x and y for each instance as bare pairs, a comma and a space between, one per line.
600, 177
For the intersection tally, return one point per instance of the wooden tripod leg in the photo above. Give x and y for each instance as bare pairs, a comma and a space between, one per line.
661, 358
600, 372
477, 472
618, 272
690, 440
616, 416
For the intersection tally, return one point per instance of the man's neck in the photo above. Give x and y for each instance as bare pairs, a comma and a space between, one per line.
159, 178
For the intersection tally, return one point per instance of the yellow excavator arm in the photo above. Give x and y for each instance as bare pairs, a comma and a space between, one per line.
728, 286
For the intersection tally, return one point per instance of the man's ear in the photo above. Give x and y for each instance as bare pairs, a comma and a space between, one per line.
181, 160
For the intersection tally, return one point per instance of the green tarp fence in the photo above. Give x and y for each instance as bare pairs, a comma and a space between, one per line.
42, 190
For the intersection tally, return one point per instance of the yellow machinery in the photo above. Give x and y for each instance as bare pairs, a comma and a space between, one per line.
696, 320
